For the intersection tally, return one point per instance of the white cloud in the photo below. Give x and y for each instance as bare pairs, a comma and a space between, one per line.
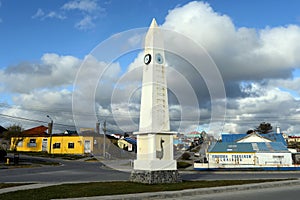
53, 14
83, 5
241, 53
85, 23
90, 9
289, 84
255, 64
36, 105
265, 102
40, 14
46, 88
53, 71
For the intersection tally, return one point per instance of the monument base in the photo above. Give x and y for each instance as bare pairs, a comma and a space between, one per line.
155, 165
155, 177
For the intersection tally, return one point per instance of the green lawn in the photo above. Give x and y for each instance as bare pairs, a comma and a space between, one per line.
113, 188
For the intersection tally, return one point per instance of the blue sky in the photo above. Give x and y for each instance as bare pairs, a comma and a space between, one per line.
254, 43
24, 38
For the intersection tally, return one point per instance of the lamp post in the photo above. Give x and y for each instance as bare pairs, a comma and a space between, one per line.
50, 127
104, 134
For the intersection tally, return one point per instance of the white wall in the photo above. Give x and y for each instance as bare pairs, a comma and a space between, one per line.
274, 159
249, 159
231, 158
253, 138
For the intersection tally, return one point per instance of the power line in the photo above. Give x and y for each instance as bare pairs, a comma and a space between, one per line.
33, 120
22, 118
136, 115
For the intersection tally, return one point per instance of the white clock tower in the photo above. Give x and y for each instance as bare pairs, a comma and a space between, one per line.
154, 163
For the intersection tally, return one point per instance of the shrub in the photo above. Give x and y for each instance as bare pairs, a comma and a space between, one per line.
2, 154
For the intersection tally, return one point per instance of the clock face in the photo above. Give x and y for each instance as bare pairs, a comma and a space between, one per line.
159, 59
147, 59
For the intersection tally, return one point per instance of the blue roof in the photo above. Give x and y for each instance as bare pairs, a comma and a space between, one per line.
271, 147
232, 137
231, 147
130, 140
262, 147
277, 146
259, 147
274, 137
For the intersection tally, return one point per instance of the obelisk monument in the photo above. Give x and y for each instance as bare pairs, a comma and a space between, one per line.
154, 163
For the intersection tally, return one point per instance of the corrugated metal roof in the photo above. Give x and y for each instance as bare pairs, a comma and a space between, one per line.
231, 147
36, 131
268, 147
262, 147
274, 137
259, 147
130, 140
232, 137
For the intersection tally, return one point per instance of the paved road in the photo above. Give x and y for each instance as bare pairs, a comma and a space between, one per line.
80, 171
69, 171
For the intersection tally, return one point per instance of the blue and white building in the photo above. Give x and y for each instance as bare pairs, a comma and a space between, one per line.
249, 151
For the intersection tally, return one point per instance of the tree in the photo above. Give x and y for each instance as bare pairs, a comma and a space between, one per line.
264, 128
14, 131
250, 131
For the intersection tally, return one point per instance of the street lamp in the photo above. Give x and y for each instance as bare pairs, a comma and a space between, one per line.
100, 127
104, 134
50, 127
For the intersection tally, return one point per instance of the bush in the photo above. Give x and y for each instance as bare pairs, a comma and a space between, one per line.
3, 154
181, 165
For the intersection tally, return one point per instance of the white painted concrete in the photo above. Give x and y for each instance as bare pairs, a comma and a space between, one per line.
154, 139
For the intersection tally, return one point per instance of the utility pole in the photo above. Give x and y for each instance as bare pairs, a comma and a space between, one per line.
50, 127
104, 135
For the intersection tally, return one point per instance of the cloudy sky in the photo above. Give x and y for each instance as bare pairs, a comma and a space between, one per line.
231, 64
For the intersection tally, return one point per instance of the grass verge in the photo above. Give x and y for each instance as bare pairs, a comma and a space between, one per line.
114, 188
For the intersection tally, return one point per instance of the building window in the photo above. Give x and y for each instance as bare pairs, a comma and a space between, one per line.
278, 157
20, 143
71, 145
56, 146
32, 143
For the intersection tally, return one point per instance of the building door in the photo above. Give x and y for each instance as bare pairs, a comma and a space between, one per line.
87, 146
45, 144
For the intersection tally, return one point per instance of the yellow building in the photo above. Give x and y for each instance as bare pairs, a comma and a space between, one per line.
60, 144
293, 139
37, 140
71, 144
127, 144
33, 144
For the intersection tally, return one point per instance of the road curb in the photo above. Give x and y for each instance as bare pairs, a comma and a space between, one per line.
192, 192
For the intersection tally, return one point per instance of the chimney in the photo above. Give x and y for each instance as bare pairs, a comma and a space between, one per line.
278, 130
